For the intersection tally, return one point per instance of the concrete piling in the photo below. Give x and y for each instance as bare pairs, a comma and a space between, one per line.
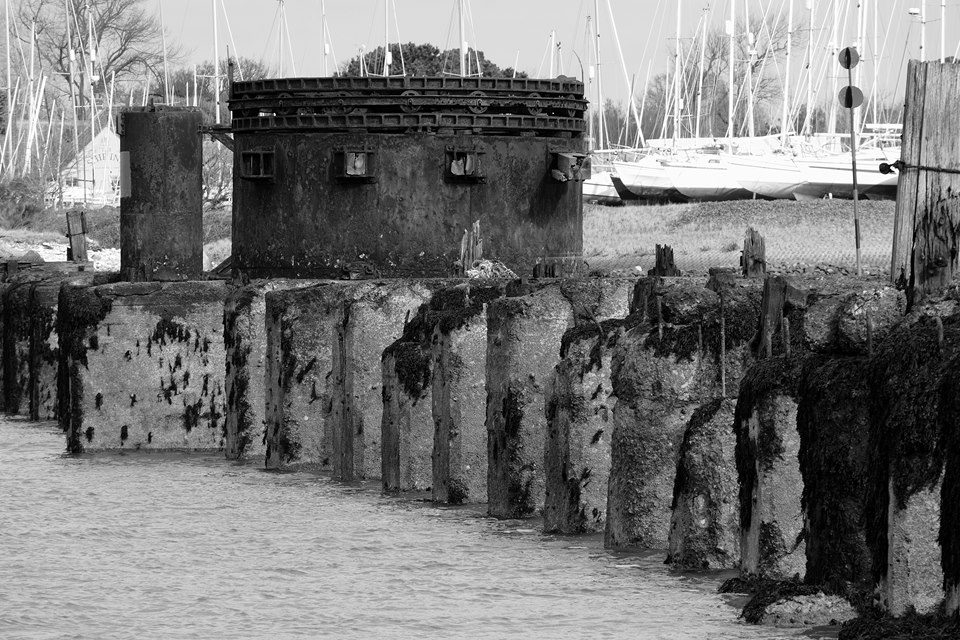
523, 345
142, 366
705, 519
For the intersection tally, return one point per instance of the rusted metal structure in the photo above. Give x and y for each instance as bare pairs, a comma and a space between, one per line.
364, 177
161, 193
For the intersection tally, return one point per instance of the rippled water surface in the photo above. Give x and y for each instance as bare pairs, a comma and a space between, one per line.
178, 546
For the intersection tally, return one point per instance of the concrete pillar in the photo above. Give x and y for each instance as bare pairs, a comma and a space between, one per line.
833, 420
771, 486
579, 406
161, 193
666, 367
459, 362
245, 342
705, 523
142, 366
301, 342
523, 345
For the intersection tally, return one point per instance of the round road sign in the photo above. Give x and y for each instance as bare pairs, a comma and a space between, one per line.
851, 97
849, 58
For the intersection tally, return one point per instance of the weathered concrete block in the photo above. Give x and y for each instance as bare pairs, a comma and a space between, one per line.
579, 405
459, 358
300, 391
30, 341
835, 322
142, 366
373, 318
523, 344
407, 428
663, 369
245, 341
771, 486
705, 522
913, 419
833, 420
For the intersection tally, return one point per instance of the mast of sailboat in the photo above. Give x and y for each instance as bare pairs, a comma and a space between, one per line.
808, 116
703, 57
7, 136
386, 38
323, 31
731, 105
676, 81
785, 116
751, 42
876, 60
834, 25
923, 30
943, 29
464, 69
623, 65
596, 53
553, 51
216, 65
163, 40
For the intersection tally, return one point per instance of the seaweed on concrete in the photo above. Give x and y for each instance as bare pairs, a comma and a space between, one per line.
80, 311
905, 378
833, 423
873, 624
781, 375
949, 418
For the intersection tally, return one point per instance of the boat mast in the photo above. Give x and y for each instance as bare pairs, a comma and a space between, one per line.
858, 70
835, 23
464, 68
876, 60
785, 116
943, 28
703, 57
7, 136
808, 117
323, 30
731, 104
751, 130
163, 39
923, 30
589, 80
216, 66
596, 27
386, 38
553, 51
676, 81
623, 65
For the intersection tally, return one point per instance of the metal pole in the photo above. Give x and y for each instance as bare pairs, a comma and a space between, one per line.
596, 26
216, 66
386, 38
731, 105
703, 56
163, 39
676, 82
853, 164
751, 124
464, 70
923, 30
785, 116
808, 118
323, 30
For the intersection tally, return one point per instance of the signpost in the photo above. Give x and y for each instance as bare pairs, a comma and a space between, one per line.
850, 98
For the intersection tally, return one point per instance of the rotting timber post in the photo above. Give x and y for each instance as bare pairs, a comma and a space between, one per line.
926, 235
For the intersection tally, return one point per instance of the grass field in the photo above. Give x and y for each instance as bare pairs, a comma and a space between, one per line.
803, 234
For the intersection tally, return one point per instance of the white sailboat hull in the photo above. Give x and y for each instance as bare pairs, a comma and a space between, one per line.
646, 178
767, 176
705, 179
833, 176
599, 188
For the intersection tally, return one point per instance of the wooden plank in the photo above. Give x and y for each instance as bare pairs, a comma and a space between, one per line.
937, 207
754, 258
77, 235
907, 183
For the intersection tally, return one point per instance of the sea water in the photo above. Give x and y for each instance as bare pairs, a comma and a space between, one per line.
191, 546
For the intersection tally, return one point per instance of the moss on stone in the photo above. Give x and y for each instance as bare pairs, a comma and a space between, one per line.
873, 624
907, 443
833, 422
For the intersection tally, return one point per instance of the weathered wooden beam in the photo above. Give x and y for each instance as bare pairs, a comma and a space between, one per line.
77, 235
779, 295
926, 237
754, 258
665, 265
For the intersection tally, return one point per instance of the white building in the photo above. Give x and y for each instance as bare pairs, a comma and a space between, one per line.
93, 178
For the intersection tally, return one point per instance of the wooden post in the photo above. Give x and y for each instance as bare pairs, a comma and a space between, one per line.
754, 258
664, 265
778, 293
926, 240
77, 235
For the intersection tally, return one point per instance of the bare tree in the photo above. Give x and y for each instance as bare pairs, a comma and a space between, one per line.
123, 34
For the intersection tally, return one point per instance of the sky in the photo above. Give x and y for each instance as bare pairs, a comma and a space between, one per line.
510, 31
